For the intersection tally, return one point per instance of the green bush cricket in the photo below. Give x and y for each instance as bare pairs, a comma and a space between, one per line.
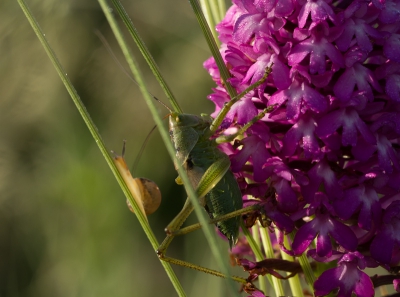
207, 168
208, 171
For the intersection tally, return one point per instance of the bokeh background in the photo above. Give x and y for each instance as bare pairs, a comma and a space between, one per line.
65, 229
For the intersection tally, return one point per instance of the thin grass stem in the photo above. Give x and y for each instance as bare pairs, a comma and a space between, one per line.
257, 239
93, 130
305, 265
209, 16
222, 9
254, 247
225, 75
269, 253
215, 11
203, 219
294, 282
146, 55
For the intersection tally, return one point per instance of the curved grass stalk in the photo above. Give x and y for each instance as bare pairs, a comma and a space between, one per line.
254, 247
294, 281
210, 14
217, 10
257, 239
269, 253
221, 9
203, 219
93, 130
305, 265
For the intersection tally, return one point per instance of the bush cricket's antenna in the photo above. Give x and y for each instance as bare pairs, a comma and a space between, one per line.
110, 51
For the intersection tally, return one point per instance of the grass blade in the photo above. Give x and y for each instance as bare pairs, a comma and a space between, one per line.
93, 130
213, 46
203, 219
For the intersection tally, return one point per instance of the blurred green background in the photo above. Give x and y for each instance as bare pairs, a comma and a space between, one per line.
65, 229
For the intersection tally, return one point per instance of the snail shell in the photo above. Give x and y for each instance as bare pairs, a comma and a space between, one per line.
146, 192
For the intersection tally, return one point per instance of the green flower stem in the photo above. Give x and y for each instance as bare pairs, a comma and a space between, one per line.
294, 282
305, 265
254, 247
269, 252
222, 9
203, 219
93, 130
257, 239
209, 14
216, 17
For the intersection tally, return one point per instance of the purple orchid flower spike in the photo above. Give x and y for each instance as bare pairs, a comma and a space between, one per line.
330, 150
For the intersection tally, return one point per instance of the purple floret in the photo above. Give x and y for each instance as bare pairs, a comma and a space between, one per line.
348, 277
385, 246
